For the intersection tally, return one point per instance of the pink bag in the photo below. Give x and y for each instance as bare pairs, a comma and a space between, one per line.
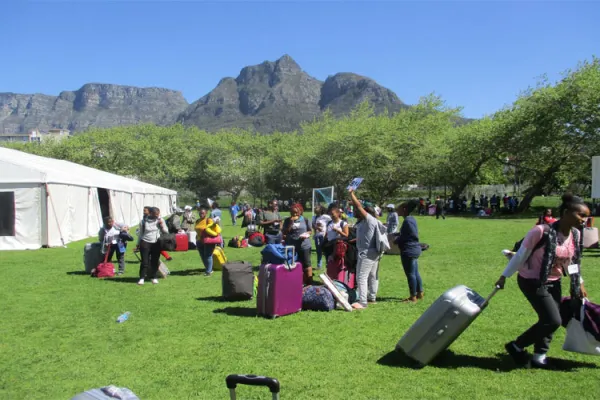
212, 240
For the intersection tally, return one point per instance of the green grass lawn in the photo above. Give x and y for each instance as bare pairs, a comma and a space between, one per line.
58, 334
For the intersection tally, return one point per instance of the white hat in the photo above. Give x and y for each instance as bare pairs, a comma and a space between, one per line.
390, 206
187, 208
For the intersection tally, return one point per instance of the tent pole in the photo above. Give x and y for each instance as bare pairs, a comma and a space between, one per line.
55, 216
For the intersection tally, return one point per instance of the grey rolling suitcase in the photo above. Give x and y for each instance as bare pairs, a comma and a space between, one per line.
107, 393
233, 380
92, 256
237, 281
442, 323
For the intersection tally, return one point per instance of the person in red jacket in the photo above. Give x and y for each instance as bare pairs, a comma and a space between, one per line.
547, 218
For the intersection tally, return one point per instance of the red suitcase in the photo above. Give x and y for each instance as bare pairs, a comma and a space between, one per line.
181, 240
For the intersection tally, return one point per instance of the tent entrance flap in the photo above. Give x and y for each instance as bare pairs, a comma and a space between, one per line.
104, 199
7, 216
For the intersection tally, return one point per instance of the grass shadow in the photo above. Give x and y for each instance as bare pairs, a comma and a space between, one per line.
78, 273
123, 280
188, 272
450, 360
390, 299
237, 311
132, 262
211, 298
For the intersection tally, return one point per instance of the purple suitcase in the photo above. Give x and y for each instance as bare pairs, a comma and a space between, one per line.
279, 289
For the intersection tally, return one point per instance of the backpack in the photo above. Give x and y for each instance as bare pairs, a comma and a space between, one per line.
167, 242
257, 239
381, 240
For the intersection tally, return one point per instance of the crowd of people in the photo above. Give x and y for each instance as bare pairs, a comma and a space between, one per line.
550, 250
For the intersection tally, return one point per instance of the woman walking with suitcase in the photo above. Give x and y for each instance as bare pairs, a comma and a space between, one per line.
410, 250
547, 253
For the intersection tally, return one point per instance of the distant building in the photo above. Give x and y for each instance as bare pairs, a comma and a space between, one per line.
35, 135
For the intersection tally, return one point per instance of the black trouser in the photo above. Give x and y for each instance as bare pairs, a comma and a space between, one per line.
150, 253
439, 212
545, 300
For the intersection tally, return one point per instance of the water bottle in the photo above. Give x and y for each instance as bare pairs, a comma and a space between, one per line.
123, 317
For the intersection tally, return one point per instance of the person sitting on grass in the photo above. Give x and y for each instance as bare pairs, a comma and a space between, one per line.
546, 218
540, 269
410, 250
296, 231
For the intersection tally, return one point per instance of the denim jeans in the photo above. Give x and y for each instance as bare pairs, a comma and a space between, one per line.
274, 239
206, 252
411, 269
319, 240
367, 274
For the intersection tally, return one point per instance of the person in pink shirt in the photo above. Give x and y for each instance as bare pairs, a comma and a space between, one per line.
547, 253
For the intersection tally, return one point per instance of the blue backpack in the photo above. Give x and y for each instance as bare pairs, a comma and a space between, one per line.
317, 298
279, 254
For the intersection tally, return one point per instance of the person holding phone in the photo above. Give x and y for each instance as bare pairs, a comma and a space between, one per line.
270, 220
296, 232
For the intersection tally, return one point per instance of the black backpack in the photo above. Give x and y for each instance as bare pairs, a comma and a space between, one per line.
541, 243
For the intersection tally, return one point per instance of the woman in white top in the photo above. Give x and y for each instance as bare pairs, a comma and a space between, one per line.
337, 229
150, 230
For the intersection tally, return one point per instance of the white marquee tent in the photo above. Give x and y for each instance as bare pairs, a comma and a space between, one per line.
49, 202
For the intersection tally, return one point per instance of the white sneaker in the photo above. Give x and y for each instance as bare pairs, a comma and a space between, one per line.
155, 281
141, 282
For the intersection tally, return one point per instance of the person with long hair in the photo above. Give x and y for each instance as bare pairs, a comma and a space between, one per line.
206, 251
336, 229
296, 232
150, 229
547, 253
410, 250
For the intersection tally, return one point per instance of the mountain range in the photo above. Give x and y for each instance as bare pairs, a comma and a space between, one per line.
272, 96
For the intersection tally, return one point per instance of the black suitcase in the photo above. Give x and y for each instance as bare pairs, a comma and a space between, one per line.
238, 281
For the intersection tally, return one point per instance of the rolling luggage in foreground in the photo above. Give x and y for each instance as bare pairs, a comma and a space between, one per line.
237, 281
442, 323
253, 380
106, 393
92, 256
280, 288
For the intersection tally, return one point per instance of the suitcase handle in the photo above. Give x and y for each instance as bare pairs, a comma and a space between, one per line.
253, 380
289, 265
486, 302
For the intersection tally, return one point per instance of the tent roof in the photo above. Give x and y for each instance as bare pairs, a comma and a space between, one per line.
19, 167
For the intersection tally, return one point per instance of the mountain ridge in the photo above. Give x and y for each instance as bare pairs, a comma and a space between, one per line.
270, 96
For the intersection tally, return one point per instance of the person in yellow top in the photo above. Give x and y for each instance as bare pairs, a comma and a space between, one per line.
206, 228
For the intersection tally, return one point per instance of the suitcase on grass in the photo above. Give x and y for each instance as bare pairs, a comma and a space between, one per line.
163, 271
442, 323
341, 273
590, 238
233, 380
237, 281
219, 258
107, 393
280, 288
92, 256
181, 242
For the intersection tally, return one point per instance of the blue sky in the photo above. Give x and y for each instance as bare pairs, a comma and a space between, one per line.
476, 54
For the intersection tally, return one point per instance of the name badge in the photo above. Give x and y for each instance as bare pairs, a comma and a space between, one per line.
573, 269
114, 242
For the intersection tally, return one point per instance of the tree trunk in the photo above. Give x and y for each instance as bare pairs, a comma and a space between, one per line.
537, 188
457, 190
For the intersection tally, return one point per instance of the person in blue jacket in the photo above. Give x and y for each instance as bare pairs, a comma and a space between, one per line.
410, 250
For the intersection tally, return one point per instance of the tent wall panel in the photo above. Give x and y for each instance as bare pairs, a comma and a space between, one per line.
28, 219
67, 214
596, 177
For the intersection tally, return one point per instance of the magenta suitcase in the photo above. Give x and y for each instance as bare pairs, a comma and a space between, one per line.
279, 289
